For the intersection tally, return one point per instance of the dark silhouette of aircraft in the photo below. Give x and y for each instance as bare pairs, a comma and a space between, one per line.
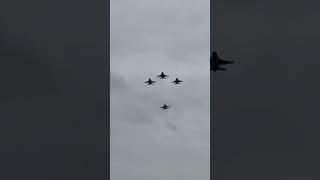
149, 82
165, 107
177, 81
162, 76
215, 62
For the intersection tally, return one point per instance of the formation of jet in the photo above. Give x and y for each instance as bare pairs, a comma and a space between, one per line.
163, 76
215, 62
164, 107
177, 81
149, 82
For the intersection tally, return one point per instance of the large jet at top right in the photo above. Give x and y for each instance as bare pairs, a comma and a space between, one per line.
215, 62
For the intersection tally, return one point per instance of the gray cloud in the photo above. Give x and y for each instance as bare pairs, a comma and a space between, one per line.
53, 89
265, 106
148, 37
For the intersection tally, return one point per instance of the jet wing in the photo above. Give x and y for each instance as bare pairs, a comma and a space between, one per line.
221, 62
218, 68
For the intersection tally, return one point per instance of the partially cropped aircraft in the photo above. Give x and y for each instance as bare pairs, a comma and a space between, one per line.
162, 76
215, 62
149, 82
177, 81
164, 107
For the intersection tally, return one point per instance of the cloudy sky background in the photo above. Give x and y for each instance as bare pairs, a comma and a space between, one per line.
148, 37
266, 105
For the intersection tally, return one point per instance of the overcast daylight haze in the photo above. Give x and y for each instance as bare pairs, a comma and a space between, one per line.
146, 38
266, 105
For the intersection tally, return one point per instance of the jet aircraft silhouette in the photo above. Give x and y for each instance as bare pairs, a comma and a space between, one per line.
162, 76
177, 81
215, 62
149, 82
165, 107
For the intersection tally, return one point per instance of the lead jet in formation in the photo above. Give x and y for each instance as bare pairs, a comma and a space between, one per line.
164, 107
215, 62
177, 81
162, 76
149, 82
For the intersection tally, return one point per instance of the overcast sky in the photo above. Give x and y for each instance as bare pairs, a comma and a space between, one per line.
148, 37
266, 105
53, 89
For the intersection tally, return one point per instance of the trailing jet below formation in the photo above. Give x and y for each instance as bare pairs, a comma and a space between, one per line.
165, 107
215, 62
177, 81
162, 76
149, 82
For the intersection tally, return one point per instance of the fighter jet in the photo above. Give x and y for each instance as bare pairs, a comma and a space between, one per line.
162, 76
149, 82
177, 81
215, 62
164, 107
